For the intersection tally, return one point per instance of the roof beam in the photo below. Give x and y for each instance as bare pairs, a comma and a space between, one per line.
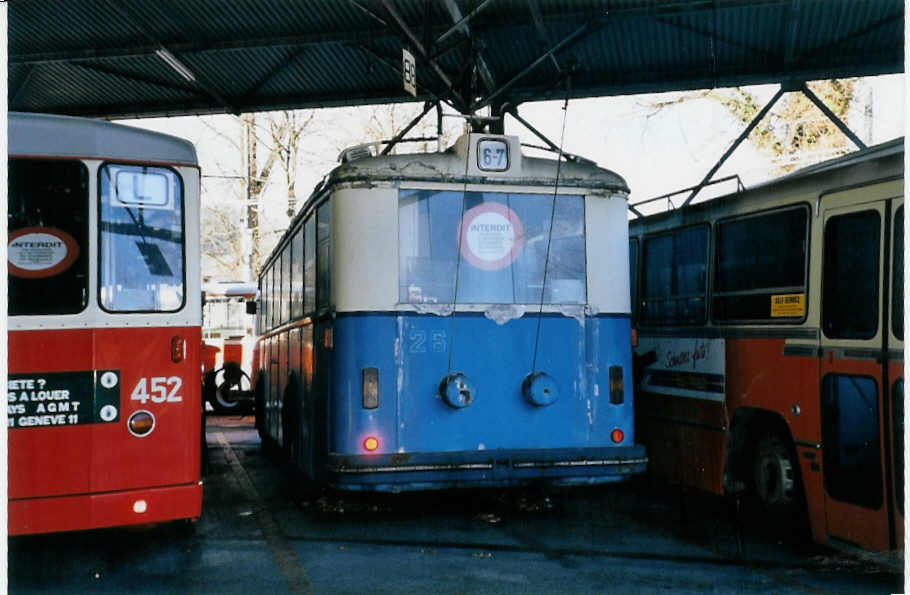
137, 78
573, 38
418, 46
894, 17
542, 34
15, 94
461, 22
134, 21
715, 37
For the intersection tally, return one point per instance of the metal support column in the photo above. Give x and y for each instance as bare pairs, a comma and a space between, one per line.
831, 116
745, 134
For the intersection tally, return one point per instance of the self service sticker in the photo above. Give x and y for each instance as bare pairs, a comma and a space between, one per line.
36, 252
491, 236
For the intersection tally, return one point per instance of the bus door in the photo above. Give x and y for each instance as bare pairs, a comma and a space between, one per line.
856, 412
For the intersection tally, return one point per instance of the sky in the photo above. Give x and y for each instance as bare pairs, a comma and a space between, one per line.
656, 151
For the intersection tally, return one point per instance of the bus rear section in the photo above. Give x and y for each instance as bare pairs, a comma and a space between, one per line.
103, 395
404, 350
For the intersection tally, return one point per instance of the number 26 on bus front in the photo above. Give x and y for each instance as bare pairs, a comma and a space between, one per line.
158, 389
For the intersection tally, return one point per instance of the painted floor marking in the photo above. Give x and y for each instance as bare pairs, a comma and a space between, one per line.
282, 552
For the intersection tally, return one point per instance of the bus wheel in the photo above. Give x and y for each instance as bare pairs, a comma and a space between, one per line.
232, 392
774, 477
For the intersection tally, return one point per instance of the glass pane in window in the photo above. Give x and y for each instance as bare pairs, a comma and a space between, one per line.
286, 283
757, 258
274, 287
506, 247
675, 277
633, 277
309, 271
850, 439
141, 255
850, 283
897, 407
297, 274
47, 249
765, 251
323, 246
897, 277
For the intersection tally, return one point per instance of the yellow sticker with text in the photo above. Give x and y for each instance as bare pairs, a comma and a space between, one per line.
789, 305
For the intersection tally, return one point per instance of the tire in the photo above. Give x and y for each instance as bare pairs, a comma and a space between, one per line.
299, 486
226, 399
775, 477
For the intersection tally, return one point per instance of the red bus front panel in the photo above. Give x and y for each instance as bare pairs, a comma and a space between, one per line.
71, 394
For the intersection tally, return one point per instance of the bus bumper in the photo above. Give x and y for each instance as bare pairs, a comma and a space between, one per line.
486, 468
113, 509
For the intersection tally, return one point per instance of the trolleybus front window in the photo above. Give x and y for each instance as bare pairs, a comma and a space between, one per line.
506, 243
47, 249
141, 260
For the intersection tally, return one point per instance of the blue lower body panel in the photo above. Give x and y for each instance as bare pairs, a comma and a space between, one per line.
489, 468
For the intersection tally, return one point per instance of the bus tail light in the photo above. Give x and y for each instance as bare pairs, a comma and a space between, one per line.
328, 338
616, 392
178, 348
140, 506
617, 435
141, 423
370, 388
371, 443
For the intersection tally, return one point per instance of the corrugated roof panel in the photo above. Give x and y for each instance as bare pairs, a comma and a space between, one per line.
245, 52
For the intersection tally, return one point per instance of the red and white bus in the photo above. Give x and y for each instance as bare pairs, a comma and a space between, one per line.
103, 395
771, 346
227, 353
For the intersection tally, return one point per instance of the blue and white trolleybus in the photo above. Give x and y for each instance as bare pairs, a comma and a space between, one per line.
451, 319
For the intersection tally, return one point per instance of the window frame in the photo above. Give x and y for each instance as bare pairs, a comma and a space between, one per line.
879, 271
715, 262
708, 271
87, 235
183, 243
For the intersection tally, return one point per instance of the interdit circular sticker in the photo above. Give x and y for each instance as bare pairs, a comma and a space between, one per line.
491, 236
36, 252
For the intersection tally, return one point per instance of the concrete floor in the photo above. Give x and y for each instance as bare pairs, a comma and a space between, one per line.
631, 538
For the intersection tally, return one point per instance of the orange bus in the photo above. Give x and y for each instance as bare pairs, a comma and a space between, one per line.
771, 345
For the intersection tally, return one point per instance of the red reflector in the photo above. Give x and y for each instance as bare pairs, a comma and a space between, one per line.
371, 444
617, 436
328, 339
177, 349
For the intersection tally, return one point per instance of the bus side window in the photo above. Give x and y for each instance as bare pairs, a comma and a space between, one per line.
323, 246
760, 258
309, 269
850, 309
285, 292
633, 278
674, 282
297, 274
897, 277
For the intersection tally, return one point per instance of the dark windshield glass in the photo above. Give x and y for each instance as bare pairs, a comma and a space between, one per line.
47, 247
141, 254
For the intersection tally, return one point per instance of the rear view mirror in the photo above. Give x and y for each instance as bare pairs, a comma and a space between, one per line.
251, 307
